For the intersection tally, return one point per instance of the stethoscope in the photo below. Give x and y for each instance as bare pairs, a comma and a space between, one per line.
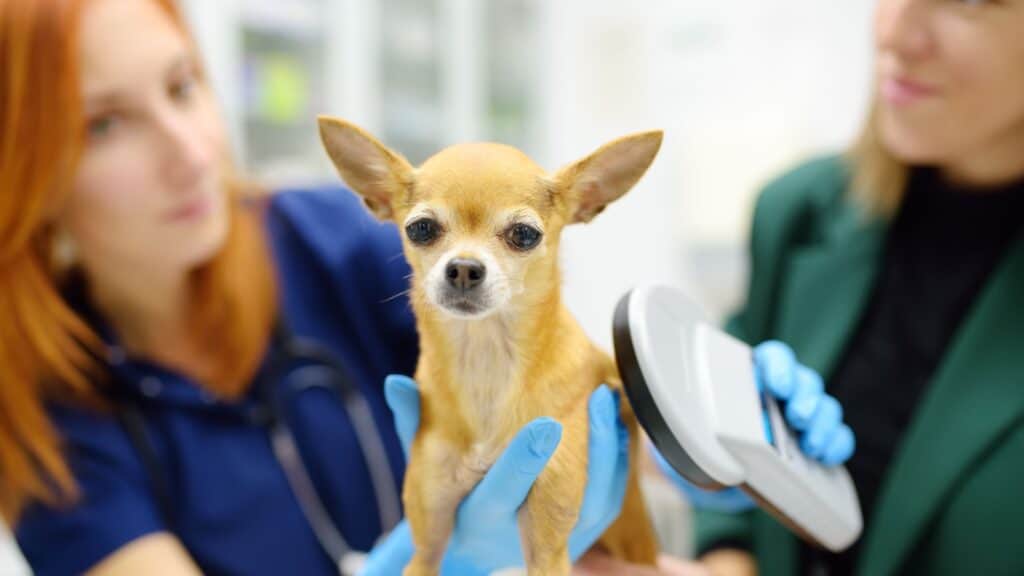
321, 370
299, 365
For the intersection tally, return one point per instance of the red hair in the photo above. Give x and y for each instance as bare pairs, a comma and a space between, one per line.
48, 352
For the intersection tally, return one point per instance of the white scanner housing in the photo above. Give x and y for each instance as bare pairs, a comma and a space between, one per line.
693, 390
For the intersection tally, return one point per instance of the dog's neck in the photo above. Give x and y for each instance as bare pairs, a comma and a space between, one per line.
485, 361
486, 357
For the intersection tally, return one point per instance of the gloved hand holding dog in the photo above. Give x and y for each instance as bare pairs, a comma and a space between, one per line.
486, 536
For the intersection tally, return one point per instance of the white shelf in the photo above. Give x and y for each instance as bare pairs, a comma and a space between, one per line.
301, 19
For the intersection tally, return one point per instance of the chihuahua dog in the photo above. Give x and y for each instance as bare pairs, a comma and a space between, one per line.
481, 227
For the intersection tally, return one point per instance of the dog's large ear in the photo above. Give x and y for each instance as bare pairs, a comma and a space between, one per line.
378, 174
601, 178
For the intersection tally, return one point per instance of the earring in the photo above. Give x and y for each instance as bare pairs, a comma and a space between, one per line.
63, 250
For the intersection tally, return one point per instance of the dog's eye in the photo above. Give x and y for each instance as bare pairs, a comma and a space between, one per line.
423, 232
523, 237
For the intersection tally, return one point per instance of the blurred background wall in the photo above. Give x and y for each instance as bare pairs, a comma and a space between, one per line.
742, 88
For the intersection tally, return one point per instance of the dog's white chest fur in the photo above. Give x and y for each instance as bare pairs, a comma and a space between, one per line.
485, 366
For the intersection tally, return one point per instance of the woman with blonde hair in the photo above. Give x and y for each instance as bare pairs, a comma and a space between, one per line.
897, 273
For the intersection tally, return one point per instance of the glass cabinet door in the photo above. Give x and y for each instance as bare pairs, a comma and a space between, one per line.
512, 77
282, 75
411, 60
419, 74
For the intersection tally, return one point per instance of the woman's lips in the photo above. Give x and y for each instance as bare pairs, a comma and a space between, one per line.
192, 210
901, 91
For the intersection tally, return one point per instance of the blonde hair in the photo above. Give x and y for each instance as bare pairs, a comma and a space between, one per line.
879, 178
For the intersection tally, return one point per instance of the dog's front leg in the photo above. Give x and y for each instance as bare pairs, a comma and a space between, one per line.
552, 508
435, 484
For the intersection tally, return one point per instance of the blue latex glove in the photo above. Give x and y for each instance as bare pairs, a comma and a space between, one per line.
726, 500
486, 535
815, 415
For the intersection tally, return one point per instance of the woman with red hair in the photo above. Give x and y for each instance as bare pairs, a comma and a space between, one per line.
190, 372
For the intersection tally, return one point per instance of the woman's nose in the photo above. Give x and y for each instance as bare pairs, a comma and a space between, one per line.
902, 28
189, 151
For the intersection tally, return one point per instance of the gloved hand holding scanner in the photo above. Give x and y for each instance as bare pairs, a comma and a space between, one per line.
695, 392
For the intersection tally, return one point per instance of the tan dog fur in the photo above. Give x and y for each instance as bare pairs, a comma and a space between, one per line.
485, 375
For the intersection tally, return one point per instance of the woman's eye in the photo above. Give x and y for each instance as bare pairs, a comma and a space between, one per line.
423, 232
523, 237
100, 127
182, 90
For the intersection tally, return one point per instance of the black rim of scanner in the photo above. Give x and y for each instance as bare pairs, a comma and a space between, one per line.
643, 403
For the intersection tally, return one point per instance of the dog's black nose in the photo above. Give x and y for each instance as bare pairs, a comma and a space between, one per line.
465, 273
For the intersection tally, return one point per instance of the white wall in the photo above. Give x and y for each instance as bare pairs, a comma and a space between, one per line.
742, 88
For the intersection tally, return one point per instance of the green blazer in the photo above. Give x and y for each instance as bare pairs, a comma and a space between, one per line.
953, 499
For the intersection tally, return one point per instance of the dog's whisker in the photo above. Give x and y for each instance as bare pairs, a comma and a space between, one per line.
396, 296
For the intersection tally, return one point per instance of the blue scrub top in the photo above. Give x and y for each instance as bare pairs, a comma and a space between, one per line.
342, 276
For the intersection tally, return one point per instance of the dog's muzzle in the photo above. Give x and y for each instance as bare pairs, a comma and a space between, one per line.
463, 288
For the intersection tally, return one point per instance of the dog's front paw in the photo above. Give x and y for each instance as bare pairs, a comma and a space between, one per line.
419, 569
